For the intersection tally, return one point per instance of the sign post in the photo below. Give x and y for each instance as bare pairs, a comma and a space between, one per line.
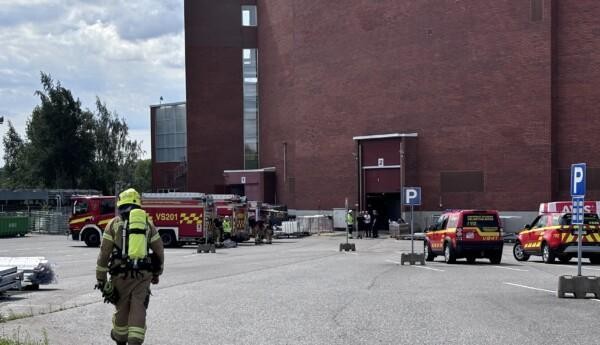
578, 195
412, 196
578, 285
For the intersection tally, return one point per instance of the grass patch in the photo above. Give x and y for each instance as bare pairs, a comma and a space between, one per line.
22, 339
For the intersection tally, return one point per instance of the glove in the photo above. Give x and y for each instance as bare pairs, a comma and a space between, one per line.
155, 280
100, 285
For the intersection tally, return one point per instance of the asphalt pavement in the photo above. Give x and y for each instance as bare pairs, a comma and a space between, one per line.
304, 291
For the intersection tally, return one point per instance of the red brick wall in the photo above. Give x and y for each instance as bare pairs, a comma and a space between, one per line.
214, 41
472, 78
577, 87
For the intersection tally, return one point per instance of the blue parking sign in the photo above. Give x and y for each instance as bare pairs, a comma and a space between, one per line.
412, 196
578, 179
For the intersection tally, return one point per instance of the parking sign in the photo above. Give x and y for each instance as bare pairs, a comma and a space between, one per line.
578, 179
411, 196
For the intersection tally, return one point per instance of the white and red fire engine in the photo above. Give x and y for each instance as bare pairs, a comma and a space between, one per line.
181, 218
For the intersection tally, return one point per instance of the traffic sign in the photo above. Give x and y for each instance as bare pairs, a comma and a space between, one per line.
578, 211
578, 179
412, 196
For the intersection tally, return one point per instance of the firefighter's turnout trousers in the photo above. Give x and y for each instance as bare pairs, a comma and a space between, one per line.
129, 320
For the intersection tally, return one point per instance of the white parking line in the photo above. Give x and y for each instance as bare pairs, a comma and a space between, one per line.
512, 269
351, 253
544, 290
530, 287
189, 256
392, 261
428, 268
589, 268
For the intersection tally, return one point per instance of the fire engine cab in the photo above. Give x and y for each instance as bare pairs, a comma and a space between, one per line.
180, 218
552, 236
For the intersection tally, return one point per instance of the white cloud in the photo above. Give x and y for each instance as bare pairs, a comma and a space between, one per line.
129, 53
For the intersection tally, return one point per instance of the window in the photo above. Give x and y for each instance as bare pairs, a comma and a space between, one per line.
249, 16
485, 222
80, 207
171, 134
107, 206
250, 115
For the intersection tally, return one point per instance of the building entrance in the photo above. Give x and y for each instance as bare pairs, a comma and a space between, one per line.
386, 206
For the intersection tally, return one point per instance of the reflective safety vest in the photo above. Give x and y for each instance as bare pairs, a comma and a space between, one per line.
226, 226
349, 219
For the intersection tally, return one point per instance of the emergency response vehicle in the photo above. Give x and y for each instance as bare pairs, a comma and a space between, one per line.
181, 218
469, 234
551, 235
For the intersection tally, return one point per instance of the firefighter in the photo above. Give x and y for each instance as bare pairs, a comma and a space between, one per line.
227, 228
124, 254
350, 222
269, 228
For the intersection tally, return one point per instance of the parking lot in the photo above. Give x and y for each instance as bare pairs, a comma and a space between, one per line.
304, 291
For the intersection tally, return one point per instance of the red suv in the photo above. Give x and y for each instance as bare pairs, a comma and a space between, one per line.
469, 234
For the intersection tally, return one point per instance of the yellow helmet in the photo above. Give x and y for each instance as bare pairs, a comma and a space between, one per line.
129, 197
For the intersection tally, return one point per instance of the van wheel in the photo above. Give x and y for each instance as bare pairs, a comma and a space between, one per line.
92, 239
496, 258
429, 256
449, 253
519, 252
547, 255
168, 238
471, 259
564, 259
595, 260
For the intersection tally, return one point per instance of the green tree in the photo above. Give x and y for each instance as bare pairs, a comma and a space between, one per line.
115, 154
61, 138
14, 172
142, 178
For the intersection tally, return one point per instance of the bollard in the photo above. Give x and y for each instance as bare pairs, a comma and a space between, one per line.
347, 247
579, 286
206, 248
412, 258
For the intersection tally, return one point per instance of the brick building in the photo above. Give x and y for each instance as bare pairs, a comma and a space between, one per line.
489, 100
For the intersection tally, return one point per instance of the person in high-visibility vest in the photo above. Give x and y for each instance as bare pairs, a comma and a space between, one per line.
350, 222
227, 228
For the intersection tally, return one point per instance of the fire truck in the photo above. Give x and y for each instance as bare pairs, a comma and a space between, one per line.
180, 218
552, 236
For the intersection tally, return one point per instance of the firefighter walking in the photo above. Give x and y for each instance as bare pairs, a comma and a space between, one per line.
125, 254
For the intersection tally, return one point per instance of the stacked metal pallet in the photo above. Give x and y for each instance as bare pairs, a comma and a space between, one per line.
10, 278
35, 270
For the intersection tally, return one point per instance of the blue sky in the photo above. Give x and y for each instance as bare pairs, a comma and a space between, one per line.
129, 53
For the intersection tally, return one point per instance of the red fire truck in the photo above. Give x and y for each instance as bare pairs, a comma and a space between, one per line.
552, 236
181, 218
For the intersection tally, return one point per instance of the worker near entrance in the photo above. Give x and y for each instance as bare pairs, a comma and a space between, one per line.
227, 228
132, 253
350, 222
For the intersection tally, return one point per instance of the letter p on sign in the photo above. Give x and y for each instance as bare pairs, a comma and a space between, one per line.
412, 196
578, 179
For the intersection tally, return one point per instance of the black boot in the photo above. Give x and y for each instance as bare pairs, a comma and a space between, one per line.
116, 341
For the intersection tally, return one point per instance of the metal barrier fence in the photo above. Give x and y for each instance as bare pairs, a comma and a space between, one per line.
45, 222
49, 222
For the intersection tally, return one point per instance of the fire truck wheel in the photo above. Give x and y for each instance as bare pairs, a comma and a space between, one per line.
429, 256
449, 253
595, 260
519, 253
92, 239
168, 238
547, 255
